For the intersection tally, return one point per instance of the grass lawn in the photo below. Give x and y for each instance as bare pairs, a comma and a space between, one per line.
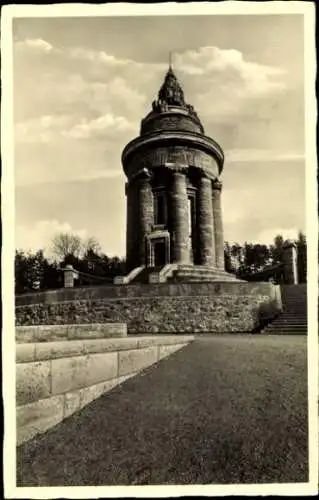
225, 409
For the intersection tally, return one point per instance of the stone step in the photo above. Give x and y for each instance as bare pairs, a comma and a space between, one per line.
292, 321
282, 319
194, 279
294, 312
201, 269
284, 323
295, 300
290, 332
279, 328
285, 332
296, 315
201, 273
292, 307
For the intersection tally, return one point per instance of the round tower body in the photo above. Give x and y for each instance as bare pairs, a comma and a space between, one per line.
173, 189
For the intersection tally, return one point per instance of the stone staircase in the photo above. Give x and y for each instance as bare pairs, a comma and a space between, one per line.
293, 319
143, 276
195, 273
184, 273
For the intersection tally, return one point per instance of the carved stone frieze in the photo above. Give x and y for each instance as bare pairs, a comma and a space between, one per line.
173, 157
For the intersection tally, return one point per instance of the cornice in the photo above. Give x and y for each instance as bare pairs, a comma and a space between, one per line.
161, 138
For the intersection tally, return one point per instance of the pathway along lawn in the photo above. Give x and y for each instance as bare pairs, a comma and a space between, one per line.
225, 409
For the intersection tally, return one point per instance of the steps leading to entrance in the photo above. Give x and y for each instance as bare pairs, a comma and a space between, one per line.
144, 274
196, 273
182, 273
293, 319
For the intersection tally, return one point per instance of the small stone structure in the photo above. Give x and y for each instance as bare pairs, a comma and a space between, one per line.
290, 266
70, 275
173, 190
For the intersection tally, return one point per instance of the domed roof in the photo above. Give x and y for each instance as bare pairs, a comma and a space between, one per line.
171, 101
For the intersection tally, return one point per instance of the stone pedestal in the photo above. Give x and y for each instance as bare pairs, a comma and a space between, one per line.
290, 263
145, 220
70, 275
205, 219
180, 223
218, 226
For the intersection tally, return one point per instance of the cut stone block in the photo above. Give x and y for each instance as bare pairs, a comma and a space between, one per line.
88, 394
166, 350
133, 361
82, 371
107, 345
37, 417
25, 353
61, 349
32, 381
71, 403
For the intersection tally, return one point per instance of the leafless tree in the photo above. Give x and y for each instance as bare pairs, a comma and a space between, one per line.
91, 245
66, 244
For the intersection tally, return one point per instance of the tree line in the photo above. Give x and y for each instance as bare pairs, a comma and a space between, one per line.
253, 260
34, 271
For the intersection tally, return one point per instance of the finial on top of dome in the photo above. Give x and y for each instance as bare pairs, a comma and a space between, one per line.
170, 60
171, 92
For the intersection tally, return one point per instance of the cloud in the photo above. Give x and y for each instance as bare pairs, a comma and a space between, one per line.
254, 77
76, 106
262, 155
33, 45
45, 128
225, 85
50, 128
100, 125
40, 235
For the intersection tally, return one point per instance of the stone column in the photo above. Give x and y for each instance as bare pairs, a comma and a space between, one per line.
218, 225
205, 219
180, 226
146, 216
290, 263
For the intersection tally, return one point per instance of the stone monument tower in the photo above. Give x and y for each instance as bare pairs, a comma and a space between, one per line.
173, 192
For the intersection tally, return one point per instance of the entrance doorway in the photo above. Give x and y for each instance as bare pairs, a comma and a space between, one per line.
159, 253
157, 249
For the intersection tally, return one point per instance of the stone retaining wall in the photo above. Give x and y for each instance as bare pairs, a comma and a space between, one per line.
149, 290
55, 379
155, 315
158, 308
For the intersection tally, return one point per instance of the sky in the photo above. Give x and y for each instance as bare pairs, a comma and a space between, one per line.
82, 86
